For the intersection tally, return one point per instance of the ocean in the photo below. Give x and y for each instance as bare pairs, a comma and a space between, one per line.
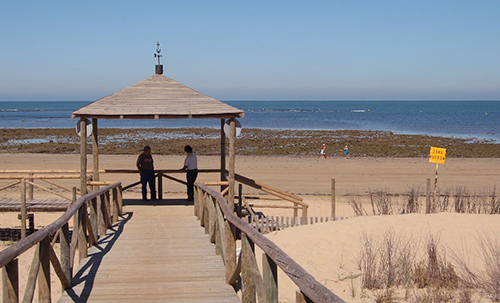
463, 119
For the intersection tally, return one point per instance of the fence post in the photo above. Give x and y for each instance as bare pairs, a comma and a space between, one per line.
270, 277
44, 272
30, 187
428, 197
333, 199
248, 285
23, 208
94, 217
10, 282
82, 227
64, 241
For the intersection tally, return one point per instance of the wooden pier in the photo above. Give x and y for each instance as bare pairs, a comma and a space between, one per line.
38, 205
161, 254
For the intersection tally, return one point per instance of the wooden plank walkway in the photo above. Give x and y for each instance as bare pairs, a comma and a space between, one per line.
156, 254
38, 205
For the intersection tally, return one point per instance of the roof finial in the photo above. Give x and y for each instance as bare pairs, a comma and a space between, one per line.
159, 67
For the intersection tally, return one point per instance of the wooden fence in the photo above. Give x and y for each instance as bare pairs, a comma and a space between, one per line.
105, 207
267, 224
223, 226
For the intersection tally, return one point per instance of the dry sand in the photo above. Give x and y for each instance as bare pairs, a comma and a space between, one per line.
329, 251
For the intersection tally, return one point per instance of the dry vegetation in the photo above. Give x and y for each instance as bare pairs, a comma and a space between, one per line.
400, 269
459, 199
252, 142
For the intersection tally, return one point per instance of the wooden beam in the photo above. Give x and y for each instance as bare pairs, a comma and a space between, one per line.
83, 156
232, 161
222, 153
23, 208
95, 150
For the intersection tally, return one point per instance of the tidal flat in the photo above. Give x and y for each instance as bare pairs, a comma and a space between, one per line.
252, 142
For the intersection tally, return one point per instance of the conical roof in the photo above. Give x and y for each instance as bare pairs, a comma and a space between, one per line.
157, 97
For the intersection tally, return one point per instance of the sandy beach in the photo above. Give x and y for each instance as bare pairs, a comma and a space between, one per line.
333, 249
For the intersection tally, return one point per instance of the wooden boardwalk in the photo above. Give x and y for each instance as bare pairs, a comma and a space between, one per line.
38, 205
155, 254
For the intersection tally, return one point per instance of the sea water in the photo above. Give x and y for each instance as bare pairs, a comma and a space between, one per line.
465, 119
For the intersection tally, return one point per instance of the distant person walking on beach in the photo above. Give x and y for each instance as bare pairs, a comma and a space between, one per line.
146, 169
346, 152
191, 166
323, 151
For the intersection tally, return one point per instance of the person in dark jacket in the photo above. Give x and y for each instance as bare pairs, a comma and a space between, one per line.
146, 169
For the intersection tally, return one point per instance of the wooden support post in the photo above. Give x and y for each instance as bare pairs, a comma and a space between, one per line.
222, 154
120, 200
101, 224
160, 186
64, 241
435, 187
83, 157
240, 201
114, 205
232, 143
82, 237
304, 215
23, 208
428, 197
30, 187
230, 253
295, 210
93, 214
270, 277
44, 295
333, 199
95, 151
248, 285
10, 282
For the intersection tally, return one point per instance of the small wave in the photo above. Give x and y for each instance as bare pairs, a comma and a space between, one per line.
9, 110
359, 110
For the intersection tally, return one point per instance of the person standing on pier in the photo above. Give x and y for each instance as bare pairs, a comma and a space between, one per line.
146, 169
191, 167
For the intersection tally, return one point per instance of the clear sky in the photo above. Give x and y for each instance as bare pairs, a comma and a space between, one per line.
253, 50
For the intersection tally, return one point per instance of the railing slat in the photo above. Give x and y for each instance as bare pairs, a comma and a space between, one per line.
44, 295
270, 278
29, 291
10, 282
65, 280
64, 242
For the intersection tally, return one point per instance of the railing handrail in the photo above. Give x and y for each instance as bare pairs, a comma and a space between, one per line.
304, 281
13, 251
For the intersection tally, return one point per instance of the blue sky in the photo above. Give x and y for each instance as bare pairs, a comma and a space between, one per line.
253, 50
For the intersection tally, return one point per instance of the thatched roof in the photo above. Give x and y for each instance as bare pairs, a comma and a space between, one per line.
157, 97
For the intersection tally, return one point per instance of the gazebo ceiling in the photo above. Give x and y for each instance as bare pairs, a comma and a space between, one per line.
157, 97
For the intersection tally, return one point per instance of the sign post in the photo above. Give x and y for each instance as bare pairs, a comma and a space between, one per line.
438, 156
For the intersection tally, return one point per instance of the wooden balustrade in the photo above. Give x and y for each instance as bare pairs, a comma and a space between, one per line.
105, 206
223, 225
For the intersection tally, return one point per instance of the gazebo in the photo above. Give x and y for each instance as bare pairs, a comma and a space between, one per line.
157, 97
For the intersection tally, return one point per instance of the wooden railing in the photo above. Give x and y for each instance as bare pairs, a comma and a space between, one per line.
105, 207
47, 176
223, 226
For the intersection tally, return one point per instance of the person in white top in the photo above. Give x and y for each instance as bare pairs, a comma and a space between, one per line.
191, 167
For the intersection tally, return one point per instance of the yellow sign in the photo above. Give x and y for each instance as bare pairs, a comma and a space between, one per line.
438, 155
